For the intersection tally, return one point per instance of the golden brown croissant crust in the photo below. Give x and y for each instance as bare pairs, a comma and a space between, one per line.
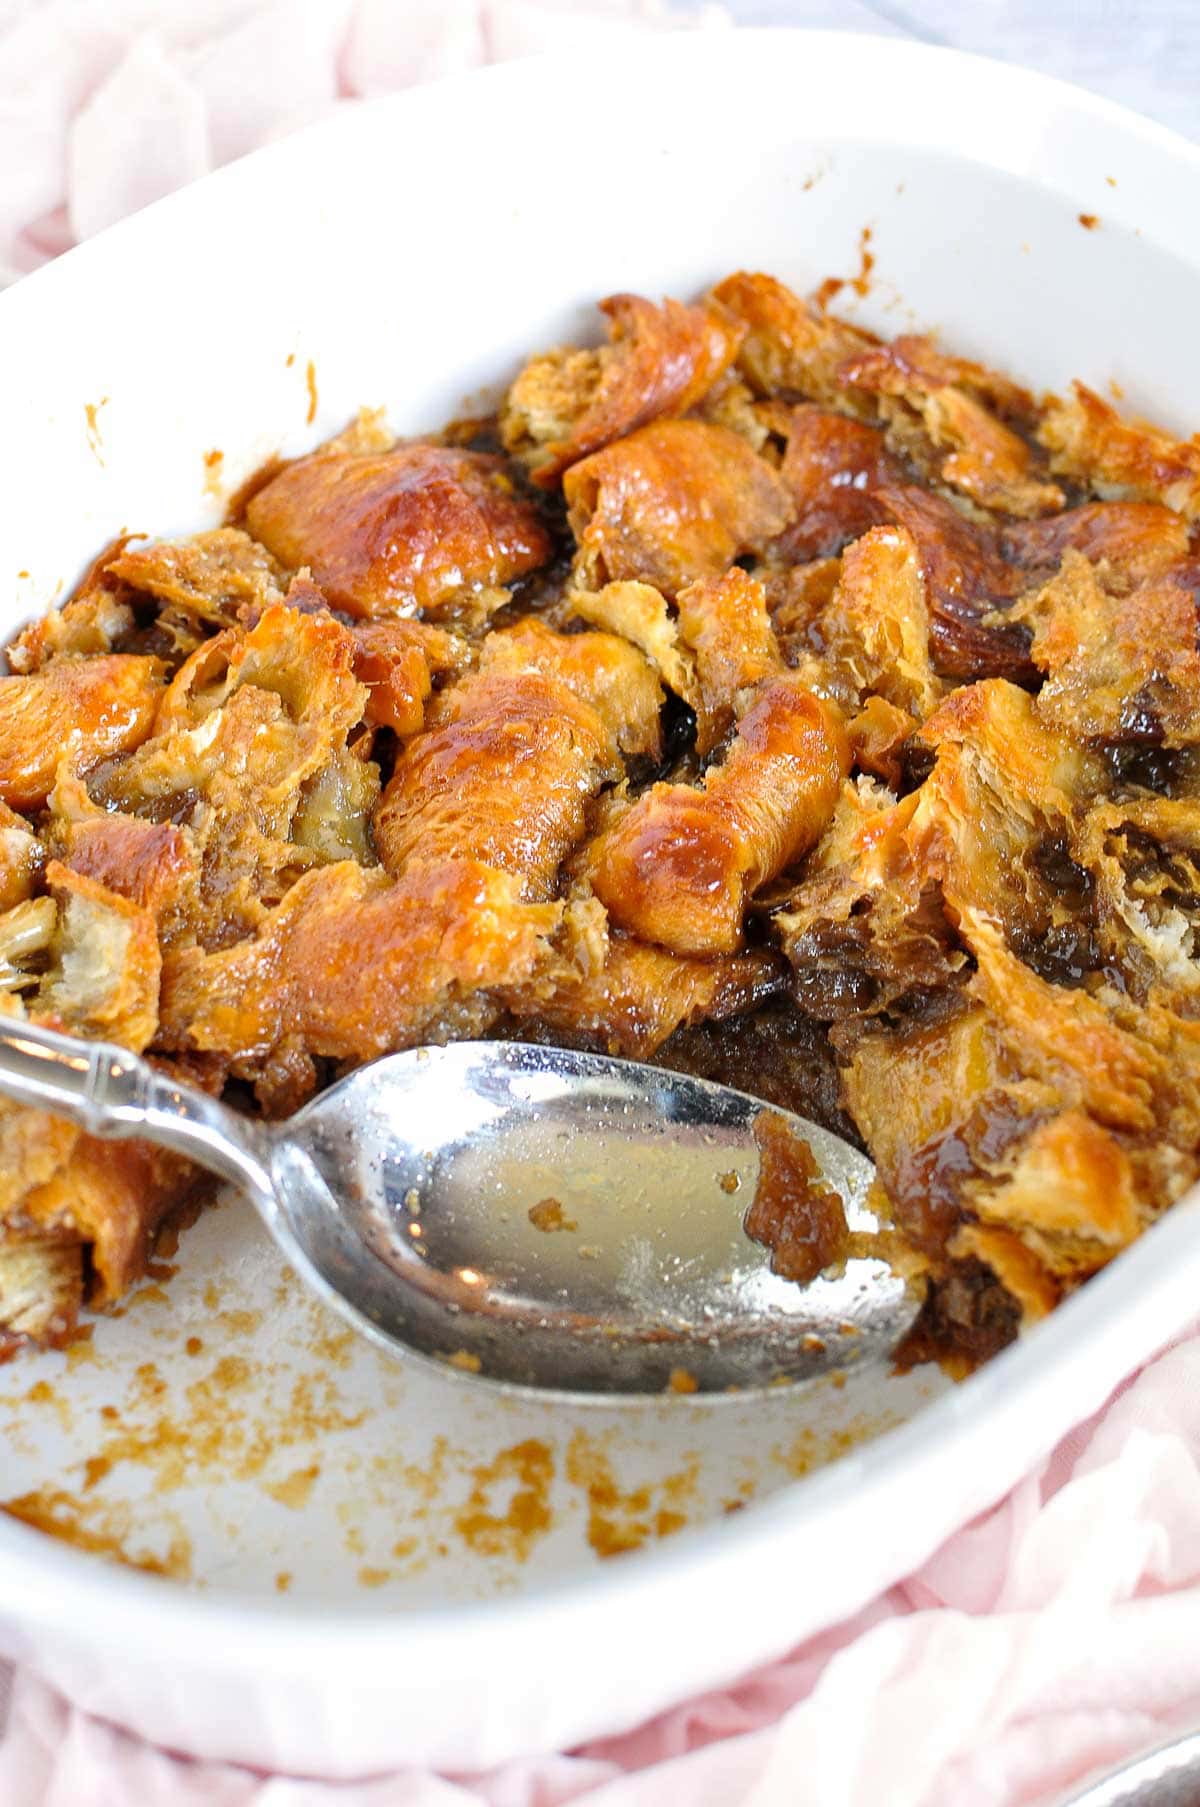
818, 714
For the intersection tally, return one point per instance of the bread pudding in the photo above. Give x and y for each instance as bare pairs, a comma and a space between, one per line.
751, 695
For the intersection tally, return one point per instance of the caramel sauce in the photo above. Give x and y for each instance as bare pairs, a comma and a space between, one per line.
927, 1189
294, 1491
211, 1436
80, 1348
94, 1470
549, 1215
41, 1393
451, 1505
214, 462
967, 1318
793, 1214
861, 284
832, 286
99, 1530
810, 1450
241, 498
490, 1528
95, 441
149, 1295
621, 1519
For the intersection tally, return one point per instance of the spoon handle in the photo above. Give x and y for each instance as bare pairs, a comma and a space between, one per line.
110, 1092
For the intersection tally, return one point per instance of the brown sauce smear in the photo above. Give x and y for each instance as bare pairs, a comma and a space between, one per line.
98, 1530
624, 1518
861, 284
490, 1528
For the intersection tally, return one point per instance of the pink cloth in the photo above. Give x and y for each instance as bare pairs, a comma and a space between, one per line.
106, 108
1054, 1635
1049, 1638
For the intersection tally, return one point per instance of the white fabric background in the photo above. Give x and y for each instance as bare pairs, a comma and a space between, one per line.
1145, 53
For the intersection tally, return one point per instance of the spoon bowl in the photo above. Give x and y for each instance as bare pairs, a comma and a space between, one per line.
532, 1216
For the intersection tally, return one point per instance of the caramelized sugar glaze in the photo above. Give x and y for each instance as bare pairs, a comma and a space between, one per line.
800, 710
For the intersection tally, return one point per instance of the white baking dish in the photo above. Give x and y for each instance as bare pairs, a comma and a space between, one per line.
409, 252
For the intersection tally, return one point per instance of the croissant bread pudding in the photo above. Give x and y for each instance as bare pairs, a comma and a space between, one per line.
800, 710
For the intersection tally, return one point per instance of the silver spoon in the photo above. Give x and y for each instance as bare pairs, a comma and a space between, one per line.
539, 1217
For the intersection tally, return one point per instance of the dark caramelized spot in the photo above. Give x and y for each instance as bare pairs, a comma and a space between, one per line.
918, 760
1066, 954
996, 1124
926, 1191
678, 731
831, 466
1140, 540
477, 433
775, 1055
829, 992
1053, 864
548, 1215
966, 579
1152, 768
1138, 720
1063, 951
794, 1214
1155, 869
967, 1315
